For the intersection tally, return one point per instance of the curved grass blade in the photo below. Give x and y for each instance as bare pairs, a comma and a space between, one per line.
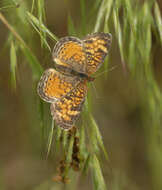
35, 66
42, 38
98, 136
100, 16
35, 21
71, 27
50, 138
99, 183
93, 138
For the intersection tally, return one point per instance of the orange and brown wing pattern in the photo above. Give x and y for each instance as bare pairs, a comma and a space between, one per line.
68, 52
66, 88
66, 111
96, 47
54, 85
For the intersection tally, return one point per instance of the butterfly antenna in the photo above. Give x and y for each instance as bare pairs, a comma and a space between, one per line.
111, 69
94, 87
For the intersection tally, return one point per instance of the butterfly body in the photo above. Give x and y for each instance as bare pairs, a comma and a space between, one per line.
65, 86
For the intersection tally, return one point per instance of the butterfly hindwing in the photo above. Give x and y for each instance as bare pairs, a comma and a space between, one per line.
67, 110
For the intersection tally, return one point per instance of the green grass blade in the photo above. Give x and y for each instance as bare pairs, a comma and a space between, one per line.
64, 139
106, 29
7, 7
86, 164
100, 16
118, 32
33, 5
148, 37
93, 139
158, 19
70, 149
15, 2
149, 44
82, 141
131, 55
35, 21
57, 138
40, 5
33, 62
107, 14
94, 8
50, 138
69, 155
71, 27
99, 136
99, 183
83, 16
42, 38
13, 64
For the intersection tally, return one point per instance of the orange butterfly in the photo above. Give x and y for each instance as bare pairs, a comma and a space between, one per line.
65, 86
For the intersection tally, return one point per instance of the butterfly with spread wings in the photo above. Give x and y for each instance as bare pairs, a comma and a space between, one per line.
65, 86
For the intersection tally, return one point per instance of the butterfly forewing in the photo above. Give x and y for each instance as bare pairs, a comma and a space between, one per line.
68, 52
96, 47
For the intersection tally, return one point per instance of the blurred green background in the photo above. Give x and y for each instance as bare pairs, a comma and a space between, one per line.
126, 102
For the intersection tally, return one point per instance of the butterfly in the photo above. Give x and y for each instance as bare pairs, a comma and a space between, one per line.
64, 86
